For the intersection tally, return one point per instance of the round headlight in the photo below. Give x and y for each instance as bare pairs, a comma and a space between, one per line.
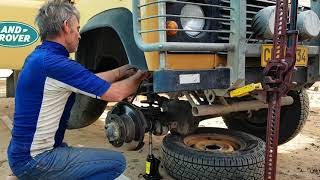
193, 24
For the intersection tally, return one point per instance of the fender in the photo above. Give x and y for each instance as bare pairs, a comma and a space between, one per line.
108, 34
119, 20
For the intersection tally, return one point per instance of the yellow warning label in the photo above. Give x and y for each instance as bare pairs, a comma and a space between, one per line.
243, 91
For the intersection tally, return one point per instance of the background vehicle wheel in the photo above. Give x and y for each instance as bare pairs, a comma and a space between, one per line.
214, 153
85, 111
181, 113
293, 118
11, 83
99, 50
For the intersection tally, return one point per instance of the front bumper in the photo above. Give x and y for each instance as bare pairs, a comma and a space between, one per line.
171, 81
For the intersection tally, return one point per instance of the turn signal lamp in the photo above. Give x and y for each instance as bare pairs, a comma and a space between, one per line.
172, 25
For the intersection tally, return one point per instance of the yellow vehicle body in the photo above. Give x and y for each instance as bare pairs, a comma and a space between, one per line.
21, 11
91, 11
25, 10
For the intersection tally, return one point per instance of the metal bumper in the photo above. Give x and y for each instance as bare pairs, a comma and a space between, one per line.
171, 81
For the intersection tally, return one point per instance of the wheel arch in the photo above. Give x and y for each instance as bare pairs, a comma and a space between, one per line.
109, 34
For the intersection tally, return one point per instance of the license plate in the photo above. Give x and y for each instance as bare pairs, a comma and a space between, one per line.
301, 54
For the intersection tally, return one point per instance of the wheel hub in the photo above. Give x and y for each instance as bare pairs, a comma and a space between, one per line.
212, 142
125, 124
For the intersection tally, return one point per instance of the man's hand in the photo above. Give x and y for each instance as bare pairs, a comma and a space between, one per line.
126, 87
126, 71
117, 74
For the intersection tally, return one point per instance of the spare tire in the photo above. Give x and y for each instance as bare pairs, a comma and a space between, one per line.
214, 153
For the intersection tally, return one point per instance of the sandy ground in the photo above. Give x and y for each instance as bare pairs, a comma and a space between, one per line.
298, 159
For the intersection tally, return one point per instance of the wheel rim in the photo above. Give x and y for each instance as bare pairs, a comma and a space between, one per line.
212, 143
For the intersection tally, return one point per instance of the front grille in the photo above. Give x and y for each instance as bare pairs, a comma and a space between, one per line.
224, 13
217, 16
216, 29
212, 20
253, 6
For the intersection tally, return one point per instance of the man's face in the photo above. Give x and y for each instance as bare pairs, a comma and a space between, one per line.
73, 35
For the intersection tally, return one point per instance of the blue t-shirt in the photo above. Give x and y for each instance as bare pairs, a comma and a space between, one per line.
44, 99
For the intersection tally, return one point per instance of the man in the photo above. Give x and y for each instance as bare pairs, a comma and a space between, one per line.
44, 100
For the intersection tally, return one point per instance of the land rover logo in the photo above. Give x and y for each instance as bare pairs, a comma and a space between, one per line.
17, 34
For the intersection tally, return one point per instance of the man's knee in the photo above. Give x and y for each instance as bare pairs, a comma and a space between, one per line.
114, 168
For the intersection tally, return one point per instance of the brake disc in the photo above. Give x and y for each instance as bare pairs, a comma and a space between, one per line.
125, 124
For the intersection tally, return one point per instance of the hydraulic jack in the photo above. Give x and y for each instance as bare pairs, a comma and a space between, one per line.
152, 164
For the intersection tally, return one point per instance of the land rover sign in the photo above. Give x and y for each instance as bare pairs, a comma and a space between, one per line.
17, 34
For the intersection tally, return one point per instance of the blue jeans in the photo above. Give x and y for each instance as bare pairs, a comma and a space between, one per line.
73, 163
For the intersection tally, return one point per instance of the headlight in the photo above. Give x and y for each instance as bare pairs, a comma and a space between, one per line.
308, 25
192, 23
187, 17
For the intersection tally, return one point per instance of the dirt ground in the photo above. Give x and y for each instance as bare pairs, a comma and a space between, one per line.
298, 159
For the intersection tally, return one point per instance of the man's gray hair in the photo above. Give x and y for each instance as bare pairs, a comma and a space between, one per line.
52, 15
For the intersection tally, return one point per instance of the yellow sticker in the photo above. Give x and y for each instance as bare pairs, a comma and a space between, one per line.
148, 164
243, 91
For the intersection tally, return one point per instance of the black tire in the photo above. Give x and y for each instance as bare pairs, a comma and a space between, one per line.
99, 50
182, 161
293, 118
10, 86
181, 112
85, 111
11, 83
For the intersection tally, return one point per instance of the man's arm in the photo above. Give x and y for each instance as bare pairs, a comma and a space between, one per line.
117, 74
109, 76
123, 88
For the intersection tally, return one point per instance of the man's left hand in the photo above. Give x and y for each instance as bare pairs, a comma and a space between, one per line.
126, 71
